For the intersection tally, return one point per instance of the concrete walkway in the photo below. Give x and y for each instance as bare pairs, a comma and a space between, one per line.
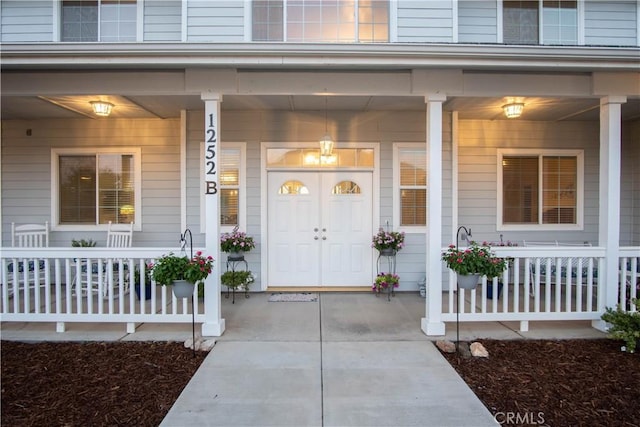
345, 360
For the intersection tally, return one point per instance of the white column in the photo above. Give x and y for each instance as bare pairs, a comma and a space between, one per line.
609, 214
214, 323
432, 323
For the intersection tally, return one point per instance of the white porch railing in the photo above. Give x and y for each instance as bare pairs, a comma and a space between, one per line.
544, 283
56, 285
87, 285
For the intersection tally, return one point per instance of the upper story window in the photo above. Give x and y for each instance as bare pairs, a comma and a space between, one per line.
325, 21
99, 20
540, 189
410, 192
546, 22
96, 186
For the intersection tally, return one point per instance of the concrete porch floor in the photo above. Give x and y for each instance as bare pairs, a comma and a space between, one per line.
347, 359
356, 314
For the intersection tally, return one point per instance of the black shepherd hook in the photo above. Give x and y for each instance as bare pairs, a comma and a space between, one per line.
183, 243
466, 233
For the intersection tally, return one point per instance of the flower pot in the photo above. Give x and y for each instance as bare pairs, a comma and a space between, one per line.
387, 252
235, 256
468, 281
147, 291
491, 294
182, 288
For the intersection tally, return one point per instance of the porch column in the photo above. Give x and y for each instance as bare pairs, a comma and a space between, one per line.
609, 214
213, 322
432, 323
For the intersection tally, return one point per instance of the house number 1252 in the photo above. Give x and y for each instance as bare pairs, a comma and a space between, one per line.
210, 155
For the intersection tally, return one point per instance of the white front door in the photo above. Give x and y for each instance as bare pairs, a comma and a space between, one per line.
320, 228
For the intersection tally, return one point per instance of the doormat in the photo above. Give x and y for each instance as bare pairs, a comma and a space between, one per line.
291, 297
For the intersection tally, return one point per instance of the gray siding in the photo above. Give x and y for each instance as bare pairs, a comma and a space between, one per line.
26, 21
162, 20
611, 23
425, 21
630, 186
477, 172
477, 21
219, 21
26, 172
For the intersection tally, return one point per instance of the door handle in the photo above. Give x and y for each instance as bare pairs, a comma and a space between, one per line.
324, 230
324, 237
315, 237
315, 229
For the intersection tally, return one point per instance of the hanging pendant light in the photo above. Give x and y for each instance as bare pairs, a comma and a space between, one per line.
101, 108
513, 110
326, 143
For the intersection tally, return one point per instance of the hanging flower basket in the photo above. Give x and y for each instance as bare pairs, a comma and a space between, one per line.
182, 288
468, 281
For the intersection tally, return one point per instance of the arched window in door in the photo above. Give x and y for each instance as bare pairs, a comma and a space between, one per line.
293, 187
346, 187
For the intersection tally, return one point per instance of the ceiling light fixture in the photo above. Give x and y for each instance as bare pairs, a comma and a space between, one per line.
513, 110
326, 143
101, 108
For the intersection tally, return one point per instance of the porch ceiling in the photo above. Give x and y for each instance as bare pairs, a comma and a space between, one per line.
166, 106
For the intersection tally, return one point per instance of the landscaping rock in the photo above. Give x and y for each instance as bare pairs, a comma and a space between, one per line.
446, 346
478, 350
207, 345
463, 349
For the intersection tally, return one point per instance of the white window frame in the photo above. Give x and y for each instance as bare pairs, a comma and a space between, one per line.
285, 37
580, 23
58, 24
397, 147
242, 187
136, 152
540, 153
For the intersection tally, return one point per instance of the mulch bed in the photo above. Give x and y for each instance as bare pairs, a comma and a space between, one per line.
553, 383
556, 383
93, 384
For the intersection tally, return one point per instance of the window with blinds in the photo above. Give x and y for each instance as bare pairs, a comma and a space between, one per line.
96, 189
540, 189
412, 168
230, 159
321, 21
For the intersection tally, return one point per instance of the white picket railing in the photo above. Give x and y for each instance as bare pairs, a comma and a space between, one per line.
543, 283
57, 285
629, 281
87, 285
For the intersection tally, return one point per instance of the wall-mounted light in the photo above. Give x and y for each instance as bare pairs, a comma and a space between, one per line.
326, 143
101, 108
513, 110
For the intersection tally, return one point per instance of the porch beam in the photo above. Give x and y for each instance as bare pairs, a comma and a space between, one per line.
609, 194
432, 323
214, 324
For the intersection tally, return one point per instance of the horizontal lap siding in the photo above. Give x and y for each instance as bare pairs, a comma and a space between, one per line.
630, 211
425, 21
477, 21
385, 127
477, 171
26, 21
611, 23
162, 20
26, 172
219, 21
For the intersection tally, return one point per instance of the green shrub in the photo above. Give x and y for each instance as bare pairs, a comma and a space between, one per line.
625, 325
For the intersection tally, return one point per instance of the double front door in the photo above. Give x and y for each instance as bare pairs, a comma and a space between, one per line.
320, 228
